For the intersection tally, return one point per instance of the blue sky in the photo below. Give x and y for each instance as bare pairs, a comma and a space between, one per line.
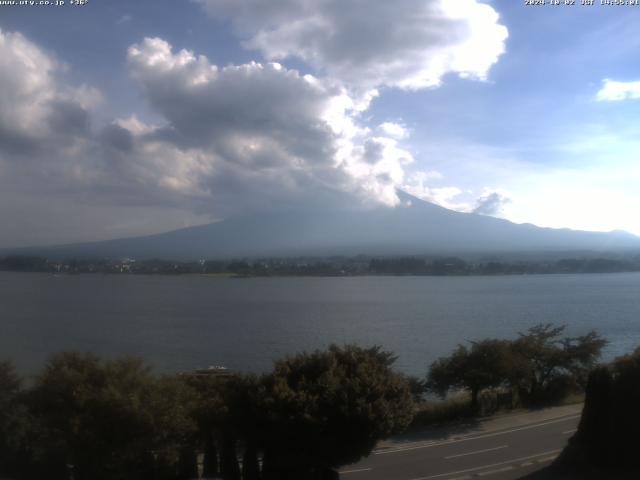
124, 120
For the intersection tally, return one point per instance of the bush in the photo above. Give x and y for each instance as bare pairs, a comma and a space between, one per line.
608, 430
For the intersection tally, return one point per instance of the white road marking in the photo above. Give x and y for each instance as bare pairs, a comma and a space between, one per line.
493, 472
569, 432
343, 472
476, 452
476, 437
506, 462
546, 459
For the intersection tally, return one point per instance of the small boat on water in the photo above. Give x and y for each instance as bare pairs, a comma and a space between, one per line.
213, 370
210, 371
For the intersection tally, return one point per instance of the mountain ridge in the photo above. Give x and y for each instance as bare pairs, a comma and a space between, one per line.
416, 227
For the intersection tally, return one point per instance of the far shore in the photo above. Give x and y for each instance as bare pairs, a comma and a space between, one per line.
338, 266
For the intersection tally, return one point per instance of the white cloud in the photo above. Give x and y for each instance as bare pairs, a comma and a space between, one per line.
613, 91
419, 185
491, 202
124, 19
409, 44
38, 112
394, 130
26, 87
265, 127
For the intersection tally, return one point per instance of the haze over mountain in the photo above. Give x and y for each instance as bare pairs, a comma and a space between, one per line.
415, 228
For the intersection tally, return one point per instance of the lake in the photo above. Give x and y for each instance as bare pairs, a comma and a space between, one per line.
184, 322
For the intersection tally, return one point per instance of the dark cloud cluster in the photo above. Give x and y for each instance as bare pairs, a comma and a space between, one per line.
233, 139
264, 130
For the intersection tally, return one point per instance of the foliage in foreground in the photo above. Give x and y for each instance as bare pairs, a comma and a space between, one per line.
334, 407
607, 436
101, 420
98, 419
94, 419
540, 365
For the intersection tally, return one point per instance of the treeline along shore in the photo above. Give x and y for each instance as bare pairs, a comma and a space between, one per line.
327, 266
84, 418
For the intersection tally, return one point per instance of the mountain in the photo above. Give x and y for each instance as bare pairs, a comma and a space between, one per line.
416, 228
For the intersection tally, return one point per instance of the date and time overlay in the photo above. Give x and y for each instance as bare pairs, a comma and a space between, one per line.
582, 3
527, 3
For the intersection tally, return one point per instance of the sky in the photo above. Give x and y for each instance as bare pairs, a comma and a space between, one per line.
127, 118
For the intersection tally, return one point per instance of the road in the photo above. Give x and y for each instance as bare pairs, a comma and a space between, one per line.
519, 446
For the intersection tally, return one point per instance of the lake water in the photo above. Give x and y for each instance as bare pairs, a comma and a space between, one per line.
184, 322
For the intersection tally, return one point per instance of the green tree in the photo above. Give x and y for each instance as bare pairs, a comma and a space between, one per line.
107, 419
543, 359
329, 408
171, 427
14, 419
487, 364
417, 386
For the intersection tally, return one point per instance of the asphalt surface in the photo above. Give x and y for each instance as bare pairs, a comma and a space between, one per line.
520, 446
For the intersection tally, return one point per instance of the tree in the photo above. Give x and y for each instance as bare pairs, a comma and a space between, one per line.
13, 419
171, 429
329, 408
487, 364
210, 413
246, 421
540, 363
542, 357
417, 386
107, 419
594, 430
608, 430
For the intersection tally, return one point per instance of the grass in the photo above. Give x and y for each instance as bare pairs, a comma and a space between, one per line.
572, 399
457, 407
437, 412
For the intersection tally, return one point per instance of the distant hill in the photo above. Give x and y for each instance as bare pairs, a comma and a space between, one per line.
416, 228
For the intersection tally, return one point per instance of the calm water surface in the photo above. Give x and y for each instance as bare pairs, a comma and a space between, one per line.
184, 322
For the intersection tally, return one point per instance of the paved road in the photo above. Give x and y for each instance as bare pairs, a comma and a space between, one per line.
501, 454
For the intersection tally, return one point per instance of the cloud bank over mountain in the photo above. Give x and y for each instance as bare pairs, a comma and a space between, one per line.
262, 130
232, 139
